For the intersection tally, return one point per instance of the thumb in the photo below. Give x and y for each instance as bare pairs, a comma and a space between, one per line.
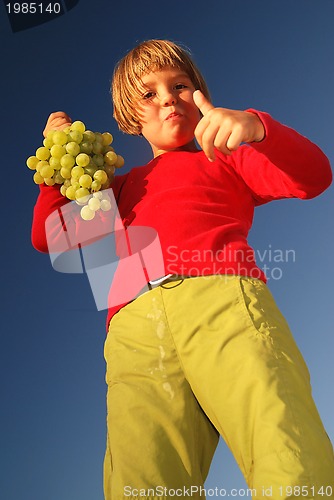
203, 104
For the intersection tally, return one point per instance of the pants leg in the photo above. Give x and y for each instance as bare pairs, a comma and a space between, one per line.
248, 375
158, 435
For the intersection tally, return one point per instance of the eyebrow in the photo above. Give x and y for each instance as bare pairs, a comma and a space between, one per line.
177, 76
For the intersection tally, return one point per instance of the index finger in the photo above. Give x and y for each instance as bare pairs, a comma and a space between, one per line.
203, 104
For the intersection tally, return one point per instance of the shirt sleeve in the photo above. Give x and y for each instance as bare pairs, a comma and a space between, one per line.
49, 200
48, 205
284, 164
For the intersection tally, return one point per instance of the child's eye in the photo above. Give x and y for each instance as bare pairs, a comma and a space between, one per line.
148, 95
179, 86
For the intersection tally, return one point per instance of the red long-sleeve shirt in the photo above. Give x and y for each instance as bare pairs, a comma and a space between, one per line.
202, 211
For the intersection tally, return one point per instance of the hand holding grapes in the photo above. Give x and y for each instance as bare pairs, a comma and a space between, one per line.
80, 161
57, 121
224, 129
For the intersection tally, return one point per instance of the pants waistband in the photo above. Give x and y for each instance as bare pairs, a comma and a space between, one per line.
166, 279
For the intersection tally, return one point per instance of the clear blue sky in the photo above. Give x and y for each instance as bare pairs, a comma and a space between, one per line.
276, 56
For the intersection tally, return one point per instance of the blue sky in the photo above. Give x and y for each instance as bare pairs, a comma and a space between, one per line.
273, 56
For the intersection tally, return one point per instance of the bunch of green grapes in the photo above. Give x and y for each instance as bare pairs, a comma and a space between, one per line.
82, 162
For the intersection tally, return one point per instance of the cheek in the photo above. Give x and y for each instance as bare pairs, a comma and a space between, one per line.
147, 116
193, 110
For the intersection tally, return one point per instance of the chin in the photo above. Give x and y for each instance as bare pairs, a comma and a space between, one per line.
180, 142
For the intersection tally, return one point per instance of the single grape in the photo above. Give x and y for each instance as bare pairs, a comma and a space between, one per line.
82, 195
75, 136
38, 179
85, 181
97, 147
77, 172
110, 158
59, 137
107, 138
46, 171
67, 161
98, 137
86, 147
86, 213
57, 151
98, 195
49, 181
49, 135
105, 205
65, 172
48, 142
88, 136
79, 126
101, 176
94, 204
70, 193
43, 153
73, 148
63, 189
82, 160
98, 160
120, 161
55, 163
32, 162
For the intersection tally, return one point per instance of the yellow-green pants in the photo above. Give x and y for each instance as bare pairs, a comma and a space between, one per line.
202, 357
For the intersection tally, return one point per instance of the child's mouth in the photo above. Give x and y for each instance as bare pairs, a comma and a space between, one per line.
173, 116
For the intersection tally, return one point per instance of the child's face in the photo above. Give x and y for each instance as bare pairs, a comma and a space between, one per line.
167, 113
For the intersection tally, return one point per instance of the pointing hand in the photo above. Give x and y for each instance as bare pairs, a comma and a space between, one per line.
224, 129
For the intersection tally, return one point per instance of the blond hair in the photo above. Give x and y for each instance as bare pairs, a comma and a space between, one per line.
151, 55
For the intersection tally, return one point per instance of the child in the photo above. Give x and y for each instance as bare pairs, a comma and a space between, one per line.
206, 351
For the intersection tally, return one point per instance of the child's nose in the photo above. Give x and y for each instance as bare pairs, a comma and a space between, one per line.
168, 99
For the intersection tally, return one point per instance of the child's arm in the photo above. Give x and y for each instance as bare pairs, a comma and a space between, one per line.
281, 163
284, 165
